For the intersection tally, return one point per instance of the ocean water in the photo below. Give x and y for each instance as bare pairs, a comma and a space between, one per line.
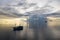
36, 30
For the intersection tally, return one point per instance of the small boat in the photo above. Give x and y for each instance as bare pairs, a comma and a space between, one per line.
18, 28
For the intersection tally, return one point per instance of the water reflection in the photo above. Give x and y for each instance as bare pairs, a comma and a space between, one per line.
35, 28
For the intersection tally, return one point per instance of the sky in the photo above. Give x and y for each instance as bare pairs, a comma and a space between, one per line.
23, 6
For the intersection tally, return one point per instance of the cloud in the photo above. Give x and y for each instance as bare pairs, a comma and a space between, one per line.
23, 6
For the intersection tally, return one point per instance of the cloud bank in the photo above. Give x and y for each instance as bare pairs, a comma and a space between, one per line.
23, 6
